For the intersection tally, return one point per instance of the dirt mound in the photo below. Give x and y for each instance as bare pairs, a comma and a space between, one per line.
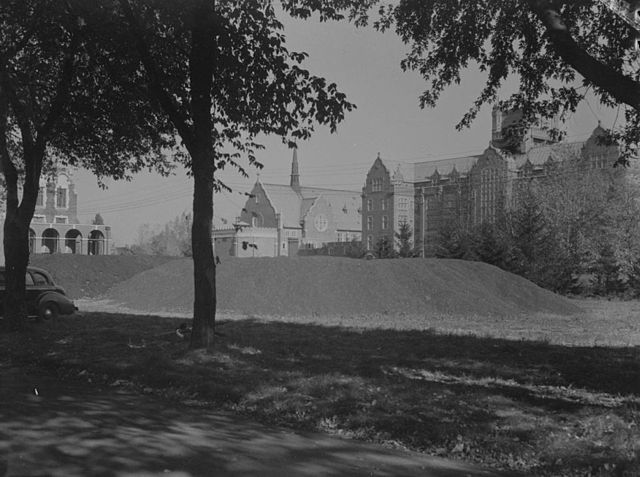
338, 286
92, 275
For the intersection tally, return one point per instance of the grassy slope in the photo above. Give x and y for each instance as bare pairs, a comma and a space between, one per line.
323, 286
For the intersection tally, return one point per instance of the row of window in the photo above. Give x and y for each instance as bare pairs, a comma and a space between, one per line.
384, 204
370, 241
347, 237
404, 203
385, 222
58, 219
60, 201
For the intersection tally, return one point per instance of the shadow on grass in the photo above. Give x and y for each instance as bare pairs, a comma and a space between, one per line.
69, 430
517, 405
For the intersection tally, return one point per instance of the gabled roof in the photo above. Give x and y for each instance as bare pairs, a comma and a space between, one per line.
306, 205
292, 205
286, 202
538, 155
424, 170
345, 205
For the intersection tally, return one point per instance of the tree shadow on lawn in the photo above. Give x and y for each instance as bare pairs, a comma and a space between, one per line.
69, 430
519, 405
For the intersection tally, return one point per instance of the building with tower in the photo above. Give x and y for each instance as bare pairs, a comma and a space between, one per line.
470, 190
55, 227
279, 219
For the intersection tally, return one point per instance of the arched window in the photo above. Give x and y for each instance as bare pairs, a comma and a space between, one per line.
96, 243
50, 241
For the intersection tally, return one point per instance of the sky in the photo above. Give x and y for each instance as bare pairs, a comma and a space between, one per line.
365, 65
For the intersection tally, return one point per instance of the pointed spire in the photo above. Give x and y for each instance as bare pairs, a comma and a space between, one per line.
295, 175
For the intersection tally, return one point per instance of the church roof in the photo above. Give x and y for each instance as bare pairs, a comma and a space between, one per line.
286, 201
292, 204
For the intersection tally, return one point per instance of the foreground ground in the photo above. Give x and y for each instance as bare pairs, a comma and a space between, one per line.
560, 406
72, 428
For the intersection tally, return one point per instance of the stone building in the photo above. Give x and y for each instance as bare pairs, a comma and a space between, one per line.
55, 227
279, 219
470, 190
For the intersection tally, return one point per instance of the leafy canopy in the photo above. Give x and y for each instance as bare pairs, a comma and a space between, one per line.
549, 45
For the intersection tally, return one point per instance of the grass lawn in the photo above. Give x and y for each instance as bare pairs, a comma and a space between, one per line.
540, 394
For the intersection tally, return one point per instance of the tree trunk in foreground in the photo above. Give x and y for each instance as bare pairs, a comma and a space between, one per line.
201, 150
204, 268
16, 256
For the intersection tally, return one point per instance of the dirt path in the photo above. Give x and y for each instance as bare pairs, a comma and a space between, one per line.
53, 428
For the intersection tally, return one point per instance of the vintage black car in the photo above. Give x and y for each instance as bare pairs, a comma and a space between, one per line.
45, 299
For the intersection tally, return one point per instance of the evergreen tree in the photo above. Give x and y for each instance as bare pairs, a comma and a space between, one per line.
403, 240
384, 248
453, 242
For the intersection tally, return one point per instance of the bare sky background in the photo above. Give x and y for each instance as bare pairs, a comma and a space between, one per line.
388, 120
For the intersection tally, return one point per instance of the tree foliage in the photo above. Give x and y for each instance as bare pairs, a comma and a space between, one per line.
547, 44
174, 239
575, 230
384, 248
220, 74
51, 114
404, 240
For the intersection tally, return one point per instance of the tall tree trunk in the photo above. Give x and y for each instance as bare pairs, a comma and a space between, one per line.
16, 256
16, 233
204, 268
202, 154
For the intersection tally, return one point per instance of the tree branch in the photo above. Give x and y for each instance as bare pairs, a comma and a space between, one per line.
63, 90
622, 87
156, 89
8, 168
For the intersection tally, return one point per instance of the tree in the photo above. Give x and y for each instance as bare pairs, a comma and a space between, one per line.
221, 74
384, 248
490, 244
48, 86
453, 241
174, 239
403, 240
98, 220
546, 44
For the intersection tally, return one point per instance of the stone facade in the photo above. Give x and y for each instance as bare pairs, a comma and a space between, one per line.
471, 190
55, 227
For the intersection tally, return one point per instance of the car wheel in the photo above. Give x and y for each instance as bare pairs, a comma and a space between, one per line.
48, 311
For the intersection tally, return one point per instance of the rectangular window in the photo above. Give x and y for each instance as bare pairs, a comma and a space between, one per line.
383, 204
61, 219
40, 199
385, 222
369, 205
38, 219
61, 198
369, 222
369, 242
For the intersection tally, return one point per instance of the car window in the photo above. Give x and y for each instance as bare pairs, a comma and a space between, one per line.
28, 280
39, 279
